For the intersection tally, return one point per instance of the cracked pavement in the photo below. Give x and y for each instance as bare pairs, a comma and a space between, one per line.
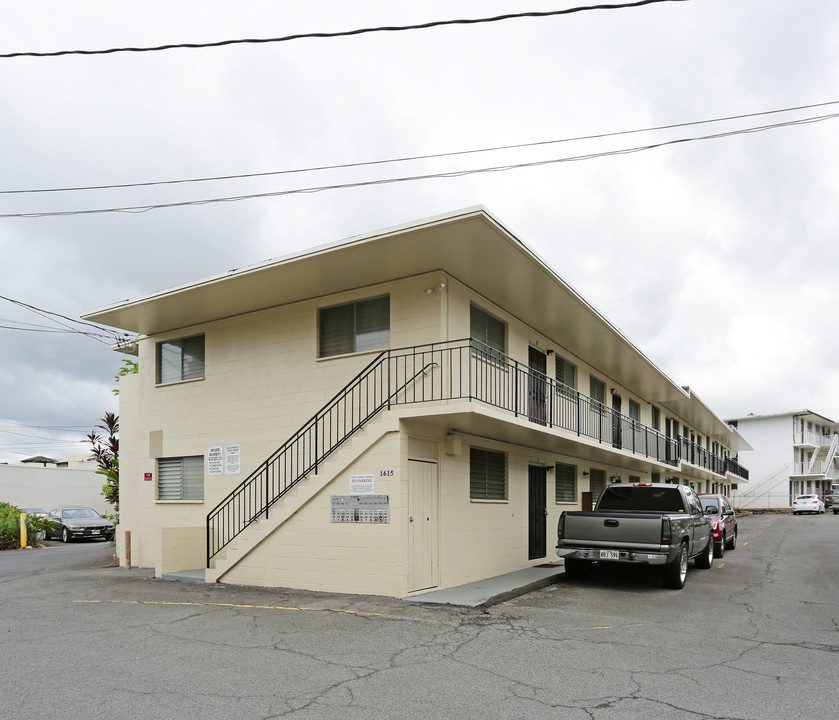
754, 637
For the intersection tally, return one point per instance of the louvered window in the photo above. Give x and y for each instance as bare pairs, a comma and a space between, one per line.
566, 483
566, 372
180, 478
487, 474
354, 327
181, 359
489, 331
597, 390
597, 482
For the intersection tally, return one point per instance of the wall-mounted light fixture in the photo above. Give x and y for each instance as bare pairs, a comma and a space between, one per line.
549, 468
550, 352
439, 288
585, 473
615, 478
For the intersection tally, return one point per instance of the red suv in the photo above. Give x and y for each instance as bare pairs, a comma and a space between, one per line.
723, 522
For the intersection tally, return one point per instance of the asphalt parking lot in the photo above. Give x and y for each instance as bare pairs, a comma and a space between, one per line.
753, 637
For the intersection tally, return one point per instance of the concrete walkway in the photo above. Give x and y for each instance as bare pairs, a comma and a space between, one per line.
475, 594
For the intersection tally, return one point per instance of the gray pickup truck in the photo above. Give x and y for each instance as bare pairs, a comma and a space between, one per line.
642, 524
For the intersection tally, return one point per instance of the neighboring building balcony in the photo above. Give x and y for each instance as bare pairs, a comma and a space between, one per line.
816, 469
811, 439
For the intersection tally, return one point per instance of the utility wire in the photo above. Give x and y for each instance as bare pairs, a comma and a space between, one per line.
116, 337
341, 33
387, 181
412, 158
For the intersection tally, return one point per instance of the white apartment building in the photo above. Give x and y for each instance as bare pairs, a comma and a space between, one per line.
792, 453
406, 410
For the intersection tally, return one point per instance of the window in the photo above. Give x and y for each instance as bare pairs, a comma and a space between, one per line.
566, 483
180, 478
656, 418
487, 474
181, 359
487, 330
354, 327
596, 483
597, 390
566, 372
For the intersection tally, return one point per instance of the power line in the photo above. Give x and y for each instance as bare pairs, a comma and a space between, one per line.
113, 335
341, 33
388, 181
412, 158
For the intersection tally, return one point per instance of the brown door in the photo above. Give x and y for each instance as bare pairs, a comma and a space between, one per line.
537, 386
538, 521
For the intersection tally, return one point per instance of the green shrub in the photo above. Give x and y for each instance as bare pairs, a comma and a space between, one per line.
10, 527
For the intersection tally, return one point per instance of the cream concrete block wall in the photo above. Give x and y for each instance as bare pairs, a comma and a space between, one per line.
481, 538
262, 381
310, 552
180, 546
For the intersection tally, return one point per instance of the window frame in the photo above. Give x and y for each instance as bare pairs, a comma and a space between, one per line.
184, 375
486, 347
374, 345
600, 474
561, 476
193, 490
562, 369
481, 476
593, 382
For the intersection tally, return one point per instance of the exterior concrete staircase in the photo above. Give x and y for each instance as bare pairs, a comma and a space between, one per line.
300, 494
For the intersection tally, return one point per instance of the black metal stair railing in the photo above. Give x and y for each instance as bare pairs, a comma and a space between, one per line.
457, 370
385, 381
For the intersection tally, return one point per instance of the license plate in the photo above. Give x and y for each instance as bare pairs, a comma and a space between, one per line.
94, 532
609, 555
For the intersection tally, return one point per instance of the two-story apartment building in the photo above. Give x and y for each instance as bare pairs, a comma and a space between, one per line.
406, 410
792, 453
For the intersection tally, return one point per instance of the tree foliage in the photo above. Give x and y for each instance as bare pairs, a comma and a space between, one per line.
105, 451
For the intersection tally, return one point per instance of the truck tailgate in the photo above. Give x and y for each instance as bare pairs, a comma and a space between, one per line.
613, 530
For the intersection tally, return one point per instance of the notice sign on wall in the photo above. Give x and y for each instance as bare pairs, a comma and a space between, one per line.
224, 459
215, 460
361, 485
233, 459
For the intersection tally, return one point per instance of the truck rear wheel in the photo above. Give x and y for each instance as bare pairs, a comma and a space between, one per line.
676, 572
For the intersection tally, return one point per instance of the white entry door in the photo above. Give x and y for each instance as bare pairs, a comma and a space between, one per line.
422, 524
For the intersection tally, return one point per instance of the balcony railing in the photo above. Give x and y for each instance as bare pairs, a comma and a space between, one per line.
808, 437
735, 468
696, 455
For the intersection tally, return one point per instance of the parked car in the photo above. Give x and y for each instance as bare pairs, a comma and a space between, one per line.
723, 522
830, 500
39, 513
807, 503
74, 521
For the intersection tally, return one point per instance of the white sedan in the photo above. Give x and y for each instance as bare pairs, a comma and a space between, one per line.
807, 503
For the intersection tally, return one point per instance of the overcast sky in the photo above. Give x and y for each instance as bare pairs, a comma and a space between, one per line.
717, 258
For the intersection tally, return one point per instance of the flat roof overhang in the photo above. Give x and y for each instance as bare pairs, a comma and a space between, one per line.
470, 245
